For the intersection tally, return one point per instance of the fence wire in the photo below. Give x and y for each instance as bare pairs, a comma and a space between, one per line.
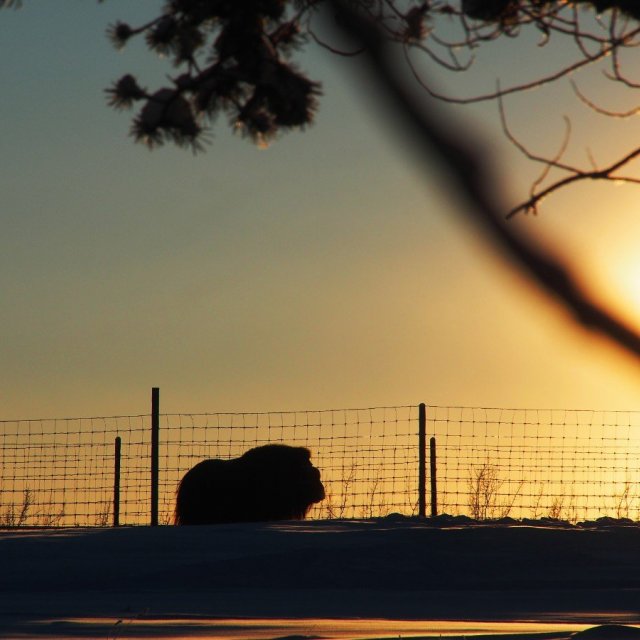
491, 463
61, 472
572, 465
368, 457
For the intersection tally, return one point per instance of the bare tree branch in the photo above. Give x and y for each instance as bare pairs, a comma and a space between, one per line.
601, 110
478, 189
598, 174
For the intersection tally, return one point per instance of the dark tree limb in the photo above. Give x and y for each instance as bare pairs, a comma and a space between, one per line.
478, 189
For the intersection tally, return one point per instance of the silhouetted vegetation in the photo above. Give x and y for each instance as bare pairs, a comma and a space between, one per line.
238, 58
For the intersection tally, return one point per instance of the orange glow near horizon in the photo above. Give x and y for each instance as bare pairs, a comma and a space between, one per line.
330, 628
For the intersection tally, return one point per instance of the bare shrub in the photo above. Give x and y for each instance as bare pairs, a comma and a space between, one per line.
376, 503
17, 515
556, 508
484, 485
104, 514
337, 508
623, 501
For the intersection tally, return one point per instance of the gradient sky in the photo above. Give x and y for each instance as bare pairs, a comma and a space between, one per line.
330, 270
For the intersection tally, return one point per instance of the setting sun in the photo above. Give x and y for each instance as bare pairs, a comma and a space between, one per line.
626, 274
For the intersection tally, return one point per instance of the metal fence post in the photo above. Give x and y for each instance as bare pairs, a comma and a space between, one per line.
116, 483
155, 453
422, 460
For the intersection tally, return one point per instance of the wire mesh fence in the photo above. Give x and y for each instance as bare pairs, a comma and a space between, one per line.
368, 457
63, 472
572, 465
490, 463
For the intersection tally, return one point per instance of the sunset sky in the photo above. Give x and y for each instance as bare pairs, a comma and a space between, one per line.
330, 270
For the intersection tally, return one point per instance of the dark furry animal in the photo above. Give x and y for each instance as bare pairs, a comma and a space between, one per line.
272, 482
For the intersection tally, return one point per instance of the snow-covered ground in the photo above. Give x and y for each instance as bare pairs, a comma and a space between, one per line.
350, 579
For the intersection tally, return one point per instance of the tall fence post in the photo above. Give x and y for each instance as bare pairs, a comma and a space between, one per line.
116, 483
434, 482
155, 453
422, 460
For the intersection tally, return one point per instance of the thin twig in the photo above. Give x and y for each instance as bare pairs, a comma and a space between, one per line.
601, 174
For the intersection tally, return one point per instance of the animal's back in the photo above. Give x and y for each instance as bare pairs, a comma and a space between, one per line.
200, 494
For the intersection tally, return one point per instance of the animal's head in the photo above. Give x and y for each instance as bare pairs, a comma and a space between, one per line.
288, 481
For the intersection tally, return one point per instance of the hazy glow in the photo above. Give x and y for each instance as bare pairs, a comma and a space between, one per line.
625, 270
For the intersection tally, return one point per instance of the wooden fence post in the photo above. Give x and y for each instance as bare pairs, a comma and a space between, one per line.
116, 483
422, 460
155, 453
434, 484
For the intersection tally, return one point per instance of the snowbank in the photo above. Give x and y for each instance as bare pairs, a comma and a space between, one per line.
395, 569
